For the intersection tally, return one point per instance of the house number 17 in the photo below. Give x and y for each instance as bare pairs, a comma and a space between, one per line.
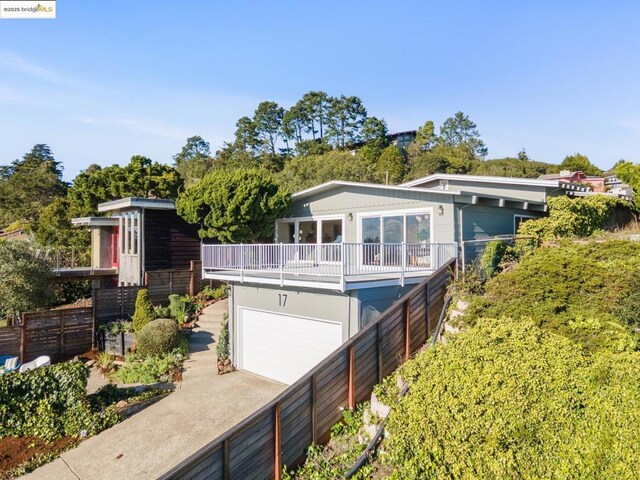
282, 299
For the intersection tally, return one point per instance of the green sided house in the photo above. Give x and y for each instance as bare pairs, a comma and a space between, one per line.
347, 251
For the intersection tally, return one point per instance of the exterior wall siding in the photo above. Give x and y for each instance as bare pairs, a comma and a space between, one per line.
361, 199
482, 222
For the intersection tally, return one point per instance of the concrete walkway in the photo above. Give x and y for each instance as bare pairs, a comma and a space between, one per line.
154, 440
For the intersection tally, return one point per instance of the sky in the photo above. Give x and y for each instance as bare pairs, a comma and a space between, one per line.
108, 80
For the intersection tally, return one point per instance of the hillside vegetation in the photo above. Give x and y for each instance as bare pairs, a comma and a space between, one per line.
543, 380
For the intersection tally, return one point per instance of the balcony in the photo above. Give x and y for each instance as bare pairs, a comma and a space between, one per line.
339, 266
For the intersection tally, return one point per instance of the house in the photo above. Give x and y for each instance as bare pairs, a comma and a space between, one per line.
139, 235
347, 251
609, 185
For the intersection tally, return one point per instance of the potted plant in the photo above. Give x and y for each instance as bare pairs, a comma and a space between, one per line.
116, 337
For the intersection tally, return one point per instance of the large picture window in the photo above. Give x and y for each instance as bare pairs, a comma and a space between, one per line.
397, 228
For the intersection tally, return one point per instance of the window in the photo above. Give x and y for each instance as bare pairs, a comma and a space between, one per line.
397, 228
310, 231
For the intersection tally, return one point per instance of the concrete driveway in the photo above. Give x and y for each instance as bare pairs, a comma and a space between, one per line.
151, 442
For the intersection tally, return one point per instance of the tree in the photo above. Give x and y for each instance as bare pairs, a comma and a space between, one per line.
580, 163
30, 184
629, 173
390, 166
268, 125
460, 130
425, 139
140, 178
54, 228
375, 132
316, 107
346, 119
194, 160
308, 171
514, 167
25, 279
234, 206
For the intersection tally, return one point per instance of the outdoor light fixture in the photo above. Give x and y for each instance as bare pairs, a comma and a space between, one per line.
440, 210
350, 217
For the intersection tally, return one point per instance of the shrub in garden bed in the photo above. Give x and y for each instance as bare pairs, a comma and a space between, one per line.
137, 369
49, 403
158, 337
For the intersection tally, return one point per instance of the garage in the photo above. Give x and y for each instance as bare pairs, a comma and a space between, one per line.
283, 347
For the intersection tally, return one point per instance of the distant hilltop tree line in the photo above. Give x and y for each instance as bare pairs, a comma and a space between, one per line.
319, 138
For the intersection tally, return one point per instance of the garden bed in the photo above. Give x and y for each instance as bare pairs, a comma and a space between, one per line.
16, 451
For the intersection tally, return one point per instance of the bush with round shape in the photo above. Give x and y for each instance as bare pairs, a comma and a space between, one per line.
158, 337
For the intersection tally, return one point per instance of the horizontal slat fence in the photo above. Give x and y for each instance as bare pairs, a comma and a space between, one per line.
10, 341
119, 302
280, 433
59, 334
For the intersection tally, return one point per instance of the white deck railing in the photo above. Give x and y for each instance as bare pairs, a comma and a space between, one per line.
329, 263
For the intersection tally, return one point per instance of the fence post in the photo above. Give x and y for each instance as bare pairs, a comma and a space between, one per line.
407, 329
23, 338
171, 281
225, 458
314, 410
122, 302
427, 315
192, 278
94, 305
379, 328
277, 440
61, 336
352, 377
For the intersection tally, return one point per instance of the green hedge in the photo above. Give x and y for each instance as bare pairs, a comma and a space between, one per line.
506, 399
572, 217
584, 291
50, 402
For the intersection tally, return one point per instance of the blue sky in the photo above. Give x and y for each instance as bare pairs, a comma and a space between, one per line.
107, 80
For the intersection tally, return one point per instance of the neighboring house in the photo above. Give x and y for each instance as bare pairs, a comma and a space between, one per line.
610, 184
349, 250
139, 235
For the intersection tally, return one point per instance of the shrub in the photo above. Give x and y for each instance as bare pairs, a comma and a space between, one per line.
222, 348
492, 256
144, 312
161, 312
149, 369
506, 399
158, 337
569, 217
569, 289
49, 402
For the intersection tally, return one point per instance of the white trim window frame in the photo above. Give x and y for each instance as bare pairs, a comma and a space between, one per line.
522, 218
322, 255
394, 213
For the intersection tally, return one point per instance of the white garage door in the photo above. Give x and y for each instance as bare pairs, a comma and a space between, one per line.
283, 347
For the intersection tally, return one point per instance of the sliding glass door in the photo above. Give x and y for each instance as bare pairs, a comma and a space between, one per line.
383, 236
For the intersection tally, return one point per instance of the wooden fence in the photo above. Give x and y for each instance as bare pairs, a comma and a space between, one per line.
280, 433
119, 302
60, 334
